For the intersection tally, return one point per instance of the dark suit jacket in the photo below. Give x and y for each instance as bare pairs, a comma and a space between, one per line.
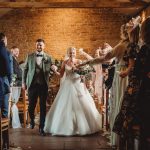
16, 69
5, 67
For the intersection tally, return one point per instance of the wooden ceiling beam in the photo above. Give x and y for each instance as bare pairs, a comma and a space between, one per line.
87, 4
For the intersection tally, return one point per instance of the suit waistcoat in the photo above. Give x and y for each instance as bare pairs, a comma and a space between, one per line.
39, 75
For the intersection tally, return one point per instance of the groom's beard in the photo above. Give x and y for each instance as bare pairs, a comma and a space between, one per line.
39, 50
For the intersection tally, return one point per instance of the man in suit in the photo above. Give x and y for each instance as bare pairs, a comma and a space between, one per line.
36, 80
5, 69
16, 68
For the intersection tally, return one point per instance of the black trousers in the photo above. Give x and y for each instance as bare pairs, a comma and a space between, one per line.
34, 92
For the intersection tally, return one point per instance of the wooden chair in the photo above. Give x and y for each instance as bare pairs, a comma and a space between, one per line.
4, 133
23, 106
52, 92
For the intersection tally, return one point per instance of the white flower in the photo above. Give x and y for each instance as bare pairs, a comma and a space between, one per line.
45, 59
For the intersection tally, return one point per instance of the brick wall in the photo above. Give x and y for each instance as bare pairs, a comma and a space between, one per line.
61, 28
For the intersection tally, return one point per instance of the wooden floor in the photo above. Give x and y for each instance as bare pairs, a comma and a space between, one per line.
28, 139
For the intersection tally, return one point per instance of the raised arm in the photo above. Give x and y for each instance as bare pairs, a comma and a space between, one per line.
117, 51
86, 55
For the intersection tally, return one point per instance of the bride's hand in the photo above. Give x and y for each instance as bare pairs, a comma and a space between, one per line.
57, 73
54, 68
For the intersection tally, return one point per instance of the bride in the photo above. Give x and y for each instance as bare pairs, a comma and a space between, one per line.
73, 111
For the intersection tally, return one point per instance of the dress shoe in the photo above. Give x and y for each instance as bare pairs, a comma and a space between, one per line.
41, 131
32, 124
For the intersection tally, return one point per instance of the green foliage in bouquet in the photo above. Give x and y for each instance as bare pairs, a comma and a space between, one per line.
84, 70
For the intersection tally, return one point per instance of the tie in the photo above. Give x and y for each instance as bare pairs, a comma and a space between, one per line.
39, 55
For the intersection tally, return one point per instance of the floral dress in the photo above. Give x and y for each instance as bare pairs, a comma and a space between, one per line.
142, 72
126, 117
118, 86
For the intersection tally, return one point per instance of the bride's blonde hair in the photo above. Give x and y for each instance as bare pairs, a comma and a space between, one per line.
67, 52
70, 49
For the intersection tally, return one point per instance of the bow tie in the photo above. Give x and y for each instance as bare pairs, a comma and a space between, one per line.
39, 55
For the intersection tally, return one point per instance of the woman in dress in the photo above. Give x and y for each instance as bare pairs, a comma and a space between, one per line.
97, 77
142, 72
119, 84
73, 111
127, 116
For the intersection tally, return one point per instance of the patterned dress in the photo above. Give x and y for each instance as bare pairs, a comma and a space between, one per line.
117, 91
142, 72
128, 112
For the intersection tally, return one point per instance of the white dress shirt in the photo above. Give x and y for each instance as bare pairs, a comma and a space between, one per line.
39, 58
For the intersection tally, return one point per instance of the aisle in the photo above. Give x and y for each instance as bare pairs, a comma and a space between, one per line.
27, 139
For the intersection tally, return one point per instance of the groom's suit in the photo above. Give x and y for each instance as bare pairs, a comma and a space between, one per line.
36, 78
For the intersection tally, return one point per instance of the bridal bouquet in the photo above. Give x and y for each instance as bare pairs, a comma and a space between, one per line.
84, 70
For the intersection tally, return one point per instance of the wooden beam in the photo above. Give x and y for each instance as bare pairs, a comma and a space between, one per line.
142, 9
70, 4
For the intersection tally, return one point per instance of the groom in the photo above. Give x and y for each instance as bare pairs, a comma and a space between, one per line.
36, 81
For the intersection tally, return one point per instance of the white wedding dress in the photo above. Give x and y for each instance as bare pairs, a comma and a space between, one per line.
73, 111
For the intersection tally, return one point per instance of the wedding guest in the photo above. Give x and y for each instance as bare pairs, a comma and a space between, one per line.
142, 72
127, 117
97, 77
119, 84
17, 71
5, 71
7, 84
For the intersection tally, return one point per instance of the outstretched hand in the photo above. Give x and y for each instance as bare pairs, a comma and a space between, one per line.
81, 51
82, 64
